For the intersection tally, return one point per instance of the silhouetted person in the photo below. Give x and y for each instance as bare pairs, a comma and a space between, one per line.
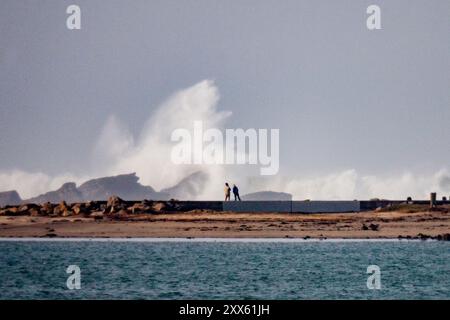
236, 193
227, 192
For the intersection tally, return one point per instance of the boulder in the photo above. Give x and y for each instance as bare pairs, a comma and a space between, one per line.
66, 213
79, 208
47, 208
115, 204
92, 206
140, 207
113, 201
34, 212
422, 236
97, 215
10, 211
159, 206
373, 227
122, 212
62, 209
25, 208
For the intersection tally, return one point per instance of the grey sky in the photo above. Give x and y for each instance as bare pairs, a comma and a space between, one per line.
342, 96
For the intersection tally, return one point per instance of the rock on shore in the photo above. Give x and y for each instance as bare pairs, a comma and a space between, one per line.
114, 207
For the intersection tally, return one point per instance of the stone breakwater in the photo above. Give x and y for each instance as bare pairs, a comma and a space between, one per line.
115, 207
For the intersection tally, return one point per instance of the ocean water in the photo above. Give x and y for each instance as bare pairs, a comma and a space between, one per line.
182, 269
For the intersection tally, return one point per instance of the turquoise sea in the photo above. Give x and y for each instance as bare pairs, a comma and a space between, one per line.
224, 269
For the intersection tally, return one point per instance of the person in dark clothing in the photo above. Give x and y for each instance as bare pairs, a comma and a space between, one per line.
236, 193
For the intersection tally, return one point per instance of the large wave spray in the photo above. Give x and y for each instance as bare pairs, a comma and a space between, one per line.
117, 151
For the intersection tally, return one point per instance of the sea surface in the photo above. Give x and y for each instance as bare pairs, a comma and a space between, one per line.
224, 269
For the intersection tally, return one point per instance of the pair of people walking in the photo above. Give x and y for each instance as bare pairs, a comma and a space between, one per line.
228, 192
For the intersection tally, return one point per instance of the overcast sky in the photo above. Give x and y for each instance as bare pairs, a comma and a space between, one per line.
342, 96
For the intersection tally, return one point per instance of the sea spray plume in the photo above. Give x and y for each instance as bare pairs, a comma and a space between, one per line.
26, 183
116, 151
444, 182
349, 184
149, 155
114, 141
407, 184
334, 186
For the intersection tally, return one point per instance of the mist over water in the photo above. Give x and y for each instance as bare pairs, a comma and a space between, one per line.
117, 151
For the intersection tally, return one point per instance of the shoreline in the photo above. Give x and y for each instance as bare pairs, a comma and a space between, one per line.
231, 225
209, 240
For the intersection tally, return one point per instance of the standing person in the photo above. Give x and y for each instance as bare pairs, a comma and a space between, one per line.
236, 193
227, 192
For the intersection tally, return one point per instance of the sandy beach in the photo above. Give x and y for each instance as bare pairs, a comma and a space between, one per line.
200, 224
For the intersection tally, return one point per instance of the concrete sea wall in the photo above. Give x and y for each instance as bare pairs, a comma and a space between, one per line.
292, 206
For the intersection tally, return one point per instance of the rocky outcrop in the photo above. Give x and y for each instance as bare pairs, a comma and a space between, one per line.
125, 186
267, 196
68, 192
9, 198
189, 187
